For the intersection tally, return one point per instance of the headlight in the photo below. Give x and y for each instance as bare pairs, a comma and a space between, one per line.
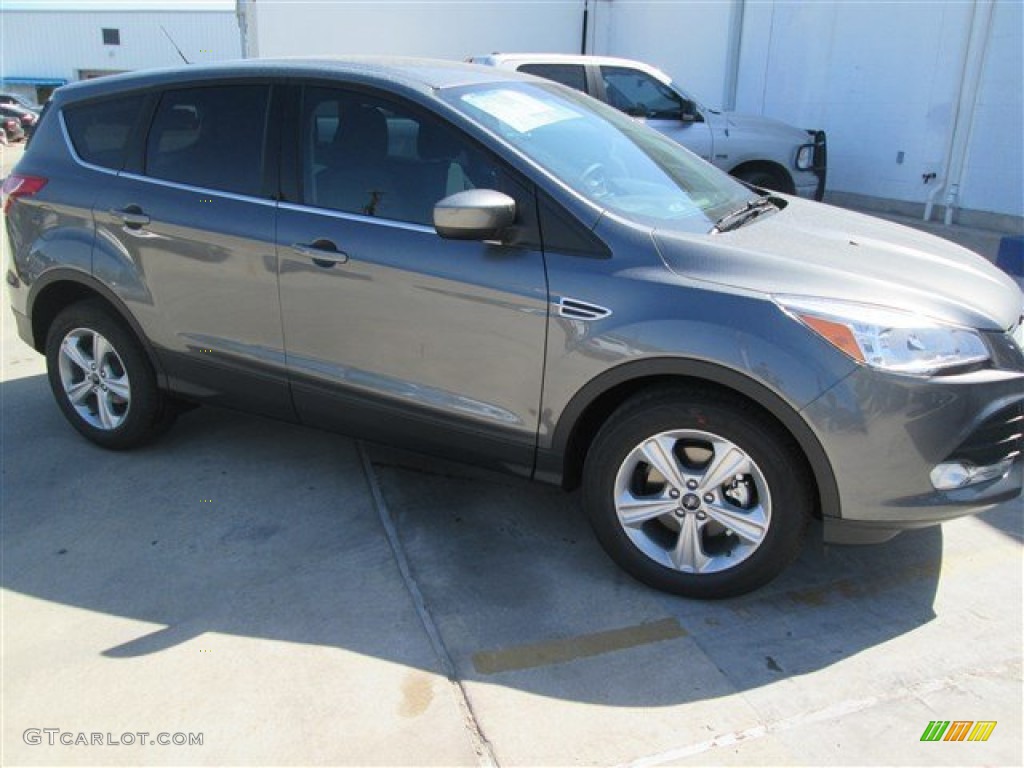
889, 339
805, 157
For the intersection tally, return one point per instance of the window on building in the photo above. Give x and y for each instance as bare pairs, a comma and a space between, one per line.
210, 138
111, 36
100, 130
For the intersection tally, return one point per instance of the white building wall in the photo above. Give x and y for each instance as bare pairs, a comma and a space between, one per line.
451, 29
881, 78
60, 44
994, 176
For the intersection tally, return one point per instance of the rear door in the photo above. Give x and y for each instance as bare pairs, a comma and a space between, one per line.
392, 332
192, 217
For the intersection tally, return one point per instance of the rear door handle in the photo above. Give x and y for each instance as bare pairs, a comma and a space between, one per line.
131, 216
323, 253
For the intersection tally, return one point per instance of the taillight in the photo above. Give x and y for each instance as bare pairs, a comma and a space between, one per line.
18, 185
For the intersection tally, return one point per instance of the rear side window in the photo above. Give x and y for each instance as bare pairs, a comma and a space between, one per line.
210, 137
566, 74
100, 131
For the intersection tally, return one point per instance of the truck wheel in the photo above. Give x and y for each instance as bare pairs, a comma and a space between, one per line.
766, 179
697, 494
101, 378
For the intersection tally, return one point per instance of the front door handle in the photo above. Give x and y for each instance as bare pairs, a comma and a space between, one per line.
131, 216
324, 253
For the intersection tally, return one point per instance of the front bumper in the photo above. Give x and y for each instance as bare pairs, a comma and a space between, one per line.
810, 183
885, 434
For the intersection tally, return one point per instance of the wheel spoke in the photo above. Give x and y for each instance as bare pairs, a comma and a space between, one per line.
658, 452
77, 392
688, 554
120, 387
634, 512
749, 525
100, 349
74, 354
106, 413
728, 461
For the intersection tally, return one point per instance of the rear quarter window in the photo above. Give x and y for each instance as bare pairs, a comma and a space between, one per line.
100, 131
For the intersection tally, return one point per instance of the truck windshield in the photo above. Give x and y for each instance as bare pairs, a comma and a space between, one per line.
609, 158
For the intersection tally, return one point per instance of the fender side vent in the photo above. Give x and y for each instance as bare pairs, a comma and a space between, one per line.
581, 310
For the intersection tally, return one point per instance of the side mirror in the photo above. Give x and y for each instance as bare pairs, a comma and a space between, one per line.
689, 113
476, 214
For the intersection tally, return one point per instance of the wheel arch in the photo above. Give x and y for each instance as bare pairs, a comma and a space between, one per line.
777, 170
61, 288
591, 406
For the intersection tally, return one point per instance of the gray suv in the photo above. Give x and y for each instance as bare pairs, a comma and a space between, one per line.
500, 269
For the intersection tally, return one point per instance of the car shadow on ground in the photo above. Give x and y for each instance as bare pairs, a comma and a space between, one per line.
239, 525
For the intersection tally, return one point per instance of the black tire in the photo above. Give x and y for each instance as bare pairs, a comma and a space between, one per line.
681, 418
766, 179
131, 421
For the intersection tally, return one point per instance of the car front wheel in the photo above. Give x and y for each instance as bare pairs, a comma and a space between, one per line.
699, 495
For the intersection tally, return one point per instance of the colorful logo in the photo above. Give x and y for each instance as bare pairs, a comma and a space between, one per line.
958, 730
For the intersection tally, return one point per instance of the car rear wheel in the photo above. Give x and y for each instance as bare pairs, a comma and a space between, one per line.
102, 380
699, 495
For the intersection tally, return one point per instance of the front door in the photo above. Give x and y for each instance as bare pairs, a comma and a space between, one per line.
393, 333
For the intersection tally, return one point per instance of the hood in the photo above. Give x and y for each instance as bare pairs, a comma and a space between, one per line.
810, 249
739, 124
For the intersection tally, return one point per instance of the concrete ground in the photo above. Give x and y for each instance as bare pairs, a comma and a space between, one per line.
297, 598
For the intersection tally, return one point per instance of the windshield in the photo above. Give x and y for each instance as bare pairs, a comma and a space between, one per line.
609, 158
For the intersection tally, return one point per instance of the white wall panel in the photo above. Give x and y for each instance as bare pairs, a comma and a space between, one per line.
452, 29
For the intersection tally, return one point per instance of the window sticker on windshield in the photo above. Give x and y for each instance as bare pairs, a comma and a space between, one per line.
520, 111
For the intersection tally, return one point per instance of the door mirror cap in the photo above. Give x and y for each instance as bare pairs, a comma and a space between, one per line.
475, 214
689, 113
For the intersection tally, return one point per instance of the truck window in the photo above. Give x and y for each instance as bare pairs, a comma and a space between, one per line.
637, 93
566, 74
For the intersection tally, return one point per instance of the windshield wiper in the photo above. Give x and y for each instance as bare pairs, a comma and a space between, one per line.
750, 211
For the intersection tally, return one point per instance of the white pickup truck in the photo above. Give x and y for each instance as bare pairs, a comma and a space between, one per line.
758, 150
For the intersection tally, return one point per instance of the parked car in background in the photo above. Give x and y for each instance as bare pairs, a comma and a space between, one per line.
25, 117
763, 152
18, 100
498, 269
12, 129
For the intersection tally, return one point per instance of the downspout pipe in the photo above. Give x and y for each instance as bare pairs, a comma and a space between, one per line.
732, 64
586, 22
975, 49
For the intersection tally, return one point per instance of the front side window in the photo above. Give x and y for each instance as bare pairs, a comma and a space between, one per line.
571, 75
638, 94
210, 137
600, 153
374, 157
99, 131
